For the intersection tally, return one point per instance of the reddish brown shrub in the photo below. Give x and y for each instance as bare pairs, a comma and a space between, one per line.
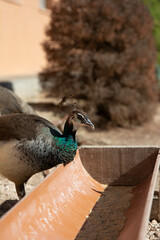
102, 51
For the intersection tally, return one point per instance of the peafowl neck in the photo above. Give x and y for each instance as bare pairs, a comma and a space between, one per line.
69, 129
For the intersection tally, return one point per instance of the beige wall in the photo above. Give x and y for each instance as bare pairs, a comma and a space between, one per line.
22, 25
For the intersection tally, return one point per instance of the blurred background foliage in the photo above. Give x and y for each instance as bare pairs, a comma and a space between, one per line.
103, 53
154, 7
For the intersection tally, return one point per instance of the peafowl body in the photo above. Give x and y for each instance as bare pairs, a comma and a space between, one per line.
30, 144
11, 103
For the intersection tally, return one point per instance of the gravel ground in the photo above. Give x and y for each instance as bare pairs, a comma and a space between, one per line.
153, 230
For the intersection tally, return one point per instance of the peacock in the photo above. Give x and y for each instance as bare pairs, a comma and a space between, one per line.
30, 144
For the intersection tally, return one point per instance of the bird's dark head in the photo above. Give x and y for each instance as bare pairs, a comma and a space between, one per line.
77, 118
80, 119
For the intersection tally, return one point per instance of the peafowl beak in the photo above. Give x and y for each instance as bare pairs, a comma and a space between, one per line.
89, 123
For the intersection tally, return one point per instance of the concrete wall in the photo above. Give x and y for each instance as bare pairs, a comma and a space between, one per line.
22, 25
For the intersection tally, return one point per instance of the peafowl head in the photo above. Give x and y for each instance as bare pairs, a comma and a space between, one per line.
77, 118
80, 119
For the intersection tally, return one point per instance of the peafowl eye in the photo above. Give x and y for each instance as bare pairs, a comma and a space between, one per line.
80, 117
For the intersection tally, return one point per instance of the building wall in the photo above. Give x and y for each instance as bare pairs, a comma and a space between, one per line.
22, 26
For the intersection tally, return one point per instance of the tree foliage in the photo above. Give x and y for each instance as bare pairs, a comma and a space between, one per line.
102, 51
154, 7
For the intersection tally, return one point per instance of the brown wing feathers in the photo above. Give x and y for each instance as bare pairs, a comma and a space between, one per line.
17, 126
22, 126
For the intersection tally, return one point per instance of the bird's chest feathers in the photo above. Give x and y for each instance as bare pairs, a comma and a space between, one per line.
44, 153
66, 146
